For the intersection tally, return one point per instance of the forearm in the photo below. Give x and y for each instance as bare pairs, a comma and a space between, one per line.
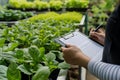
104, 71
83, 61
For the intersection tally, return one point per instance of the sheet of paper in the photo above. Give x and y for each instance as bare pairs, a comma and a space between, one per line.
88, 46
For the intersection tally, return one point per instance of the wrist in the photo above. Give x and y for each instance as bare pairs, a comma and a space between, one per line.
86, 62
83, 61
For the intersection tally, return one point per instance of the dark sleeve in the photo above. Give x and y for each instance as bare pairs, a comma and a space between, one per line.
111, 52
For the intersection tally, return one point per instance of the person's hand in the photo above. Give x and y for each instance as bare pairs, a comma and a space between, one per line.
98, 36
73, 55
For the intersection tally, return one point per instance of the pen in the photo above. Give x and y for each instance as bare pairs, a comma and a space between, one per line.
98, 28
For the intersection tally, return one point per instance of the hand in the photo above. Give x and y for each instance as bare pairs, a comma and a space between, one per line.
73, 55
98, 36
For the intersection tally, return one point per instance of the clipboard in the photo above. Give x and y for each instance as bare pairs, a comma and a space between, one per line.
88, 46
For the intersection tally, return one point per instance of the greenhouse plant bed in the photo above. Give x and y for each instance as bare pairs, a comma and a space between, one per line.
30, 62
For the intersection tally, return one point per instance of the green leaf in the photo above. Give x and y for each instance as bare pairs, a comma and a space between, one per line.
42, 51
13, 73
1, 53
24, 69
3, 72
5, 32
58, 54
36, 42
2, 41
19, 53
50, 56
42, 74
11, 46
9, 56
64, 65
34, 53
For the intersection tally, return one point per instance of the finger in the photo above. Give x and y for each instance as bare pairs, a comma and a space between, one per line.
95, 38
92, 30
68, 45
91, 34
97, 34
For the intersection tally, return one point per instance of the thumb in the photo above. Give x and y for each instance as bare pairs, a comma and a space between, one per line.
97, 33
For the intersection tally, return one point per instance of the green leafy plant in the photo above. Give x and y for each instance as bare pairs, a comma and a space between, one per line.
21, 4
13, 73
27, 66
77, 4
100, 12
28, 47
30, 64
3, 71
44, 5
27, 5
41, 5
65, 17
14, 15
56, 5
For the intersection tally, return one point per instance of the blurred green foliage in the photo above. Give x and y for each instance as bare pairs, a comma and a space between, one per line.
100, 11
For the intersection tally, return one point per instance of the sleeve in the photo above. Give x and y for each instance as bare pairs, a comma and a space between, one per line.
104, 71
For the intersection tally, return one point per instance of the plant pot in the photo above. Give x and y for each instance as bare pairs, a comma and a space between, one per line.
54, 74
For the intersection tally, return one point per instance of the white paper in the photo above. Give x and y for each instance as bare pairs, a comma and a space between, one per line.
88, 46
